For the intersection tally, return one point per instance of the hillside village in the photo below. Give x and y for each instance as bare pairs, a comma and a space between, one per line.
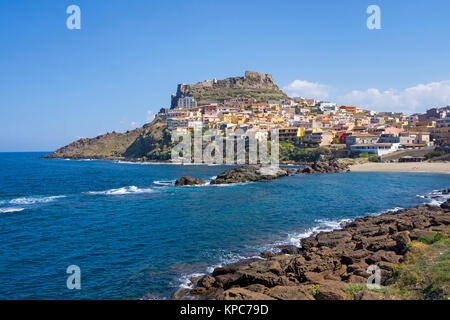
304, 122
253, 104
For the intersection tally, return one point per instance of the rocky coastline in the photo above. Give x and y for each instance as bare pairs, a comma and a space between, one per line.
328, 262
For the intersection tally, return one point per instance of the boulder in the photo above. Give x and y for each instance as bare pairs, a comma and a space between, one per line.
330, 290
253, 173
291, 293
242, 294
188, 181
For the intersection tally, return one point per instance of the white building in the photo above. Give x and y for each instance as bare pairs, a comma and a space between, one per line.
379, 149
327, 106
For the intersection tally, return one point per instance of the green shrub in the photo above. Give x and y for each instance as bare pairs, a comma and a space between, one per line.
314, 289
364, 155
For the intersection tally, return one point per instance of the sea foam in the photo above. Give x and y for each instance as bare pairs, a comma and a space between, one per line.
123, 190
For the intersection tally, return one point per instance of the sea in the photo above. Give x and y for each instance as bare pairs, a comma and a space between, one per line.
133, 235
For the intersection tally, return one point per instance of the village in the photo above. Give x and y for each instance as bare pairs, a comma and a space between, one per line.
307, 123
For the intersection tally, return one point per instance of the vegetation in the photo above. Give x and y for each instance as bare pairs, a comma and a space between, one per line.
426, 272
364, 155
434, 154
314, 289
292, 152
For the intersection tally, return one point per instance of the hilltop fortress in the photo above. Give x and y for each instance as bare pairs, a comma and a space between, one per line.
259, 86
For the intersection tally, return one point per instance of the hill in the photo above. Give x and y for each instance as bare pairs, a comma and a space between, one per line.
150, 142
255, 85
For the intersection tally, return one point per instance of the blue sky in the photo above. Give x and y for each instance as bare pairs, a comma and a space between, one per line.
57, 85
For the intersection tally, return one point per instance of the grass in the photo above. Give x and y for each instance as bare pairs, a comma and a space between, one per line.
425, 273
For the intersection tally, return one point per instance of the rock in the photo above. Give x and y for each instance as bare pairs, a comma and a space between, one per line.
253, 173
331, 290
288, 249
324, 167
243, 294
291, 293
446, 205
312, 277
355, 256
207, 282
368, 295
356, 279
266, 254
188, 181
381, 255
333, 239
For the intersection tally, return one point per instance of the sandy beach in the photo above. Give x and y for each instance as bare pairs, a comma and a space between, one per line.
402, 167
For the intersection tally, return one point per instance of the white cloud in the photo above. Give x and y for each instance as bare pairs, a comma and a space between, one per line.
133, 124
306, 89
409, 100
150, 115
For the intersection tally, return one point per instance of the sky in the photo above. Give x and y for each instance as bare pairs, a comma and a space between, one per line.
120, 68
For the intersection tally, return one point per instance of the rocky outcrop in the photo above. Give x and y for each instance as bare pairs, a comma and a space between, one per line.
252, 173
255, 85
188, 181
325, 167
327, 262
151, 142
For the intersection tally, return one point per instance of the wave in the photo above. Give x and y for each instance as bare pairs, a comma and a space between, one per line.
11, 209
123, 190
164, 182
436, 197
33, 200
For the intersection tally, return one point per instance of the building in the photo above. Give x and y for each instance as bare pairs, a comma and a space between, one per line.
441, 133
361, 138
376, 148
348, 109
327, 106
187, 103
289, 133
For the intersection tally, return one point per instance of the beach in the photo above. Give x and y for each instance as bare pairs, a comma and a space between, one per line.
402, 167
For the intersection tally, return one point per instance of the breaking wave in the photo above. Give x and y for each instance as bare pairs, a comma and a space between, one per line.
122, 191
11, 209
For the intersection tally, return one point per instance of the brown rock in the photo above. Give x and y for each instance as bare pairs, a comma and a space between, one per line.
330, 290
242, 294
291, 293
188, 181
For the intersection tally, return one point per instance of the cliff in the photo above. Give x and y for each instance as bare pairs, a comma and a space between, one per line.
150, 142
255, 85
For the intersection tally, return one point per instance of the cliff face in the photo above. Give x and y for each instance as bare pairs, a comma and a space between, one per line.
255, 85
151, 142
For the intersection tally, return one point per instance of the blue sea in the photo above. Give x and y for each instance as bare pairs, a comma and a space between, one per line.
133, 238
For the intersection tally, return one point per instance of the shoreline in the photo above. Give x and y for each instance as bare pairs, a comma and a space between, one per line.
255, 278
437, 167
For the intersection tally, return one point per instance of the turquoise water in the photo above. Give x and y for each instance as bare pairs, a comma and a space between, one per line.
130, 237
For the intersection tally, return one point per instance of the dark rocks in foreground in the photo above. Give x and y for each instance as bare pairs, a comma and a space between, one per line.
327, 261
253, 173
188, 181
325, 167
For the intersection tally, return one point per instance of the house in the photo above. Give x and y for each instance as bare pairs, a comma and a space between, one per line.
441, 134
289, 133
348, 109
321, 138
376, 148
361, 138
